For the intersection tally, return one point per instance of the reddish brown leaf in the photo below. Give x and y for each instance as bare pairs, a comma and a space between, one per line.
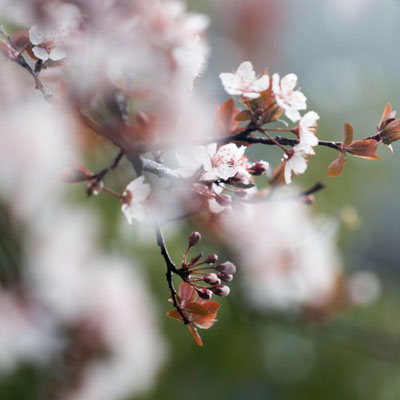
348, 134
278, 176
244, 115
365, 148
195, 334
336, 167
205, 324
174, 314
196, 309
186, 294
386, 112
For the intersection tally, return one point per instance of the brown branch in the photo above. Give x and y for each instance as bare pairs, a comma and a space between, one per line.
16, 56
171, 269
101, 174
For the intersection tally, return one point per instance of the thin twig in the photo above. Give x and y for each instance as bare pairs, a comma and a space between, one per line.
17, 57
171, 269
101, 174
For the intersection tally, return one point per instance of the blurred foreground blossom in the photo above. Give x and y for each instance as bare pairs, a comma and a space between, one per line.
288, 259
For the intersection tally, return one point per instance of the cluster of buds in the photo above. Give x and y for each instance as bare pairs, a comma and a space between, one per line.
206, 276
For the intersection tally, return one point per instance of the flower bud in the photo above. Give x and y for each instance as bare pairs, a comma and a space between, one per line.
211, 259
195, 259
194, 238
212, 279
204, 293
258, 168
226, 268
221, 290
225, 277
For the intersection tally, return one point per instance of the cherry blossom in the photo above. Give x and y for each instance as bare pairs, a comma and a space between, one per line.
307, 130
296, 162
224, 162
135, 195
244, 82
46, 46
289, 99
297, 159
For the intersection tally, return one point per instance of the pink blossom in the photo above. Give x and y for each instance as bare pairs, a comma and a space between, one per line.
136, 194
244, 82
289, 99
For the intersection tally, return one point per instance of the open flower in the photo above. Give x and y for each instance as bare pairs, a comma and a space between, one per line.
47, 46
244, 82
224, 162
296, 162
289, 99
307, 130
297, 159
135, 196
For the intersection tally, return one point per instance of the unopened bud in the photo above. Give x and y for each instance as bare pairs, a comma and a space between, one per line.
212, 279
225, 277
204, 293
211, 259
195, 259
258, 168
194, 238
221, 290
226, 268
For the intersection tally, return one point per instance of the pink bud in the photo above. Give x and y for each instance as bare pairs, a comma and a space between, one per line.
225, 277
212, 279
226, 268
194, 238
221, 290
195, 259
204, 293
211, 259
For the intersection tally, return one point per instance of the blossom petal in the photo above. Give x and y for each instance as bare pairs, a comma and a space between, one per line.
40, 53
35, 36
261, 84
288, 83
57, 54
245, 73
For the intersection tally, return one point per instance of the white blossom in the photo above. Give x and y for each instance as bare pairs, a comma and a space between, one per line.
134, 204
244, 82
296, 163
289, 99
288, 258
307, 130
46, 46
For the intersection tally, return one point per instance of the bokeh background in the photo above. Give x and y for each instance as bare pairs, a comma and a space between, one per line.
346, 55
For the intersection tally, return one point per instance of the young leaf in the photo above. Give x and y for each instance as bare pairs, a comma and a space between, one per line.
348, 134
336, 167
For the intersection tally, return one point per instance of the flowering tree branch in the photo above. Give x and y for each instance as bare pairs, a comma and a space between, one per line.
15, 55
171, 270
